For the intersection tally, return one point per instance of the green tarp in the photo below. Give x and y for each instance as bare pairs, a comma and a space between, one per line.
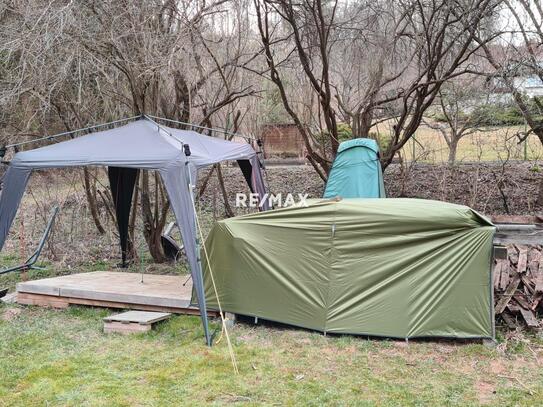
386, 267
356, 171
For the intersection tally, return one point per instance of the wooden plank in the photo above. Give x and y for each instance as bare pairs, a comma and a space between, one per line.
513, 255
522, 259
37, 287
536, 300
504, 238
145, 299
112, 290
539, 279
114, 283
497, 271
63, 302
529, 318
125, 328
504, 275
513, 306
42, 300
140, 317
508, 294
522, 300
122, 287
528, 284
534, 257
514, 219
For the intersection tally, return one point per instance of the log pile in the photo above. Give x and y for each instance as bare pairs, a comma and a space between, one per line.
518, 287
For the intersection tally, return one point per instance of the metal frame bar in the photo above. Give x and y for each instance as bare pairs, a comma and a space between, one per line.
29, 263
148, 117
164, 130
203, 127
70, 132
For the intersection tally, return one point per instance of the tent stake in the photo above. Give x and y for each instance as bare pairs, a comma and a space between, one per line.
187, 280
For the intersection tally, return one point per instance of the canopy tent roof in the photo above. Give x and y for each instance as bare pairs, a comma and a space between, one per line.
386, 267
143, 144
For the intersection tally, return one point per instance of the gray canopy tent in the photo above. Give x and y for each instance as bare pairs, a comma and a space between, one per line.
143, 144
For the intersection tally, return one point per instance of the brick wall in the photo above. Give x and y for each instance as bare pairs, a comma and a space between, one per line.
282, 140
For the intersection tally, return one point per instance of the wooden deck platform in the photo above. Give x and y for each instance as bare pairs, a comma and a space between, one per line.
111, 290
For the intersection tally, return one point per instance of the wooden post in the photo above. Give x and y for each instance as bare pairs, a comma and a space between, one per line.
230, 319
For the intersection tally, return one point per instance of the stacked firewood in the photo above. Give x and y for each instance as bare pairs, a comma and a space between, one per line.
518, 287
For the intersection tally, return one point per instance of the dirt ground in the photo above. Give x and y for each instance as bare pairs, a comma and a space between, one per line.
63, 358
75, 243
472, 184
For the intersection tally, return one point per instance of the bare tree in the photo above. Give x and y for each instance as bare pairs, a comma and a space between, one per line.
518, 54
460, 111
70, 64
398, 54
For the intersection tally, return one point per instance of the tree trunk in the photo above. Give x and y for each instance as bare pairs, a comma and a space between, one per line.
540, 194
151, 230
227, 207
453, 147
539, 201
205, 182
364, 124
90, 192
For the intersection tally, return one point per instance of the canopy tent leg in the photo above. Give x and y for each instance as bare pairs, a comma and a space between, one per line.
177, 185
258, 181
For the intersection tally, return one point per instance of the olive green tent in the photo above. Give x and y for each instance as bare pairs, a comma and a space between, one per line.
387, 267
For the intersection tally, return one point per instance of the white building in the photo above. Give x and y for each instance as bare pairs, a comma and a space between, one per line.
530, 85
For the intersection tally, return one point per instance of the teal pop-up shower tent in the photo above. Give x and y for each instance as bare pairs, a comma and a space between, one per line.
356, 172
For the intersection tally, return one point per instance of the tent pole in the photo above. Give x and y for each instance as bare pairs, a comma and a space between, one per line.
66, 133
163, 129
202, 127
203, 312
221, 313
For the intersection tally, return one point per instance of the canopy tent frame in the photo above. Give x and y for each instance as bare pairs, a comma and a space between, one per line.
30, 262
197, 126
128, 149
67, 133
152, 118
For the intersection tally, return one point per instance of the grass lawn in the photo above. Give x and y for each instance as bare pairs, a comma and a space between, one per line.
487, 144
51, 357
